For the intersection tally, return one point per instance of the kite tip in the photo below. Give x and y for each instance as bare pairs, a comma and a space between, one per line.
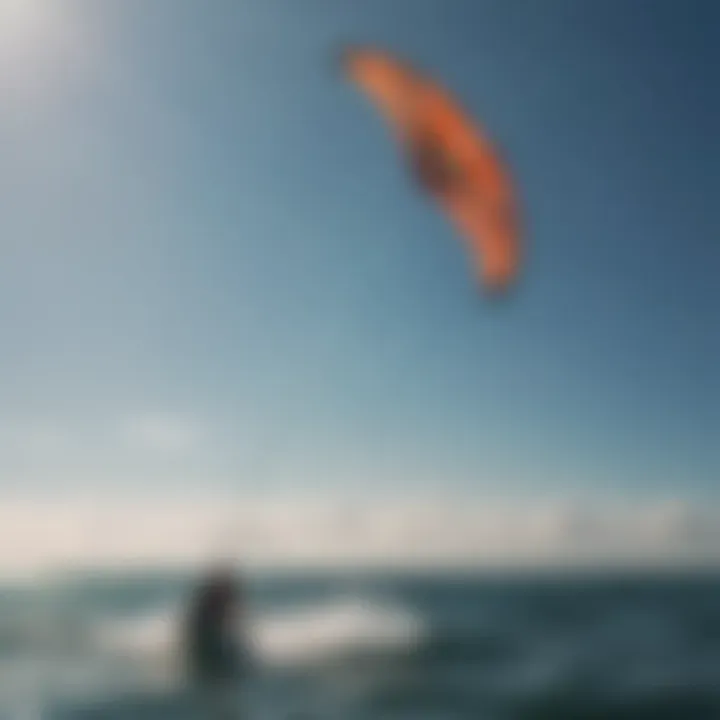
347, 52
497, 289
498, 293
343, 55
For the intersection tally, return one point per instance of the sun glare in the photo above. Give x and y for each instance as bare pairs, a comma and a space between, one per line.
20, 20
38, 40
31, 30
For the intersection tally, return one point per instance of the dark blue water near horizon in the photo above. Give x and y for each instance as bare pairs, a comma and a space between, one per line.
378, 647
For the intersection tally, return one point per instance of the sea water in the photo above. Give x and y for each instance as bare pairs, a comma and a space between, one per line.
339, 646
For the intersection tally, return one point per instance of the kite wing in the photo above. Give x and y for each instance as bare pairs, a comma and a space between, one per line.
450, 157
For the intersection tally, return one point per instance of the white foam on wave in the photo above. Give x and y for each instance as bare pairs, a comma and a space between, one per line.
315, 633
335, 629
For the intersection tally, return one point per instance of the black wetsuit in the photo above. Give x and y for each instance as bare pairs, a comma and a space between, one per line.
212, 650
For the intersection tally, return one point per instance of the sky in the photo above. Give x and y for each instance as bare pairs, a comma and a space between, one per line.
216, 277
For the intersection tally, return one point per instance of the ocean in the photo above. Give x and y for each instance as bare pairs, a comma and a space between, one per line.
350, 646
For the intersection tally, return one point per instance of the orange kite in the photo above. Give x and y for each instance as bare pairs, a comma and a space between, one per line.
449, 156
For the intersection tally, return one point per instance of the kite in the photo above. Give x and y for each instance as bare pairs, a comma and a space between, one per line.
449, 156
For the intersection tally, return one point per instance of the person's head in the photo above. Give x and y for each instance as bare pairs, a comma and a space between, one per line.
221, 576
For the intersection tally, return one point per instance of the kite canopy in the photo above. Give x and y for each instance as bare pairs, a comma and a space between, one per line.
450, 157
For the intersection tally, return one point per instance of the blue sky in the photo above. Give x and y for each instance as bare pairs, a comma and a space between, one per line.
215, 273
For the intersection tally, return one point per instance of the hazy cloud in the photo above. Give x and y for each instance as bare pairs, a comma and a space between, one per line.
36, 534
166, 433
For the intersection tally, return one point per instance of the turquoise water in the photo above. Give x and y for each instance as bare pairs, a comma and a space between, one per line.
376, 647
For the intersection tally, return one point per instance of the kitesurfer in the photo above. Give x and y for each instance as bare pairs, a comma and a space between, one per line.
213, 650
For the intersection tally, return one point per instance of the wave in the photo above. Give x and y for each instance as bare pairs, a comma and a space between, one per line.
310, 634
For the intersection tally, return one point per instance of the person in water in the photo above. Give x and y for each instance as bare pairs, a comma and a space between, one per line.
213, 650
